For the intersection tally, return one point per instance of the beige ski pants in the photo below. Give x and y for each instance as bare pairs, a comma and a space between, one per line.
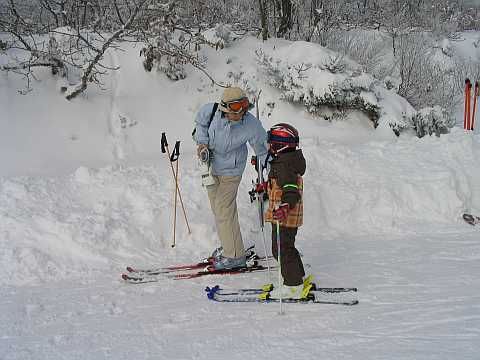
223, 201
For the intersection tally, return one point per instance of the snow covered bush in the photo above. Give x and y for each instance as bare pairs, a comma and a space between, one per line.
432, 120
60, 44
171, 68
170, 65
221, 36
428, 121
422, 70
326, 88
172, 41
426, 80
367, 48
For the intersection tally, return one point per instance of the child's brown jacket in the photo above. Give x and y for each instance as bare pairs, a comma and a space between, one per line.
285, 185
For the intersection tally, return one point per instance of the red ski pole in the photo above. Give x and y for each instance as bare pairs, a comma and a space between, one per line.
469, 104
469, 112
475, 97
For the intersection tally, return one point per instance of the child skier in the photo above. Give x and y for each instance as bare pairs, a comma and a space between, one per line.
285, 188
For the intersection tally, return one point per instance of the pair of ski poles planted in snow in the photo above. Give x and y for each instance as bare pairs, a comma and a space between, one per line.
173, 158
469, 117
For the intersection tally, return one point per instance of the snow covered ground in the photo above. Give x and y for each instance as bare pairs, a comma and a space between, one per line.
85, 191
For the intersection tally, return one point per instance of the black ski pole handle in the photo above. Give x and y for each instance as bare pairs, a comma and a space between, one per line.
164, 143
175, 152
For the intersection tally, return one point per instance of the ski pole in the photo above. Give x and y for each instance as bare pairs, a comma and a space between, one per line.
469, 107
466, 111
475, 97
164, 146
260, 206
260, 197
280, 281
174, 158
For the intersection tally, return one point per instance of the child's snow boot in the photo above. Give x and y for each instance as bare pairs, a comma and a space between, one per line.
287, 292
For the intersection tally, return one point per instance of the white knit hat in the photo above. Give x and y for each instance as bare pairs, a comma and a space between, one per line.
231, 94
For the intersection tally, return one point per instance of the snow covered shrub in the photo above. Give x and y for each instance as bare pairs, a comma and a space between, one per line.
335, 65
425, 81
432, 120
367, 48
172, 41
170, 65
400, 126
221, 36
245, 81
446, 47
173, 69
324, 89
224, 33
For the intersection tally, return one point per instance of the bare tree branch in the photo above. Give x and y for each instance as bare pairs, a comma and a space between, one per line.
89, 71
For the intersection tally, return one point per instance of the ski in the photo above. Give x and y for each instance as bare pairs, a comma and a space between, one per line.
249, 253
257, 291
170, 269
213, 294
475, 97
471, 219
208, 270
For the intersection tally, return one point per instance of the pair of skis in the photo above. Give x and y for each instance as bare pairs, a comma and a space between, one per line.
316, 295
469, 113
190, 271
141, 276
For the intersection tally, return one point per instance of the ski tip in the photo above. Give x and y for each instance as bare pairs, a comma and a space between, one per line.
211, 291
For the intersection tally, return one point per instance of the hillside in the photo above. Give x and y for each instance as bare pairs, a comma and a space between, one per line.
85, 191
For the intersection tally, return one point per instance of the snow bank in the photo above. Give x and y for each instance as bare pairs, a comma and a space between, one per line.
385, 187
55, 228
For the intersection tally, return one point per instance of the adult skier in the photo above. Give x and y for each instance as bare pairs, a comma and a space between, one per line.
225, 136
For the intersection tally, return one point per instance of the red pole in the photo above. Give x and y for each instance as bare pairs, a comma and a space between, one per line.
475, 97
469, 107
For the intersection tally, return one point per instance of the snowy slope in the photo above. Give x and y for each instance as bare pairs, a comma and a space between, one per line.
85, 191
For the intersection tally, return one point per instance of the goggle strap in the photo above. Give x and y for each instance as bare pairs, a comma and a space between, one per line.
281, 139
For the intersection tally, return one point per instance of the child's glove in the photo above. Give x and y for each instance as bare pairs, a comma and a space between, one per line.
281, 213
260, 188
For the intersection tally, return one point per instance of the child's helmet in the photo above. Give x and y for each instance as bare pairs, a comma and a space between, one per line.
282, 137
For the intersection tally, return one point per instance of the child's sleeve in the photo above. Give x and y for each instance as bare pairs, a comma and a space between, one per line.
287, 180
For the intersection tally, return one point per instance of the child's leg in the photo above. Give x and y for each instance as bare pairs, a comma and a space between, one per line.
292, 266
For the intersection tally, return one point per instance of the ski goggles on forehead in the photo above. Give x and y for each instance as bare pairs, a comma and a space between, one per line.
236, 106
282, 137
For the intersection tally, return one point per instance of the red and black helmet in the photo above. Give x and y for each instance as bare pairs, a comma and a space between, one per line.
282, 137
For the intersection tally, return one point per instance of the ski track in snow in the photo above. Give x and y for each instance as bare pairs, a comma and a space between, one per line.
101, 317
